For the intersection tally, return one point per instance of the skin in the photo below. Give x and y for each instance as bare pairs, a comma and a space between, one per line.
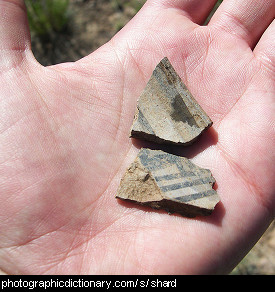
64, 143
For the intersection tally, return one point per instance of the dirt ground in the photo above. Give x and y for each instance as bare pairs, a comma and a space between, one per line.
93, 23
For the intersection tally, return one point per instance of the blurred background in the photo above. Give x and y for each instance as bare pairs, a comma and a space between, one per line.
67, 30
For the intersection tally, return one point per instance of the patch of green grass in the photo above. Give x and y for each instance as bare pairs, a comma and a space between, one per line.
138, 4
47, 17
121, 4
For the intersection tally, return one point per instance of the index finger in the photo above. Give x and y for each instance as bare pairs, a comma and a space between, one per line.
245, 19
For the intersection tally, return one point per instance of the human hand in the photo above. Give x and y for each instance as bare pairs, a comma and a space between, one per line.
64, 143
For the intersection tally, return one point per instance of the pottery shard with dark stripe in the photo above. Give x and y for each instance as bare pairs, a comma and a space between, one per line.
166, 110
166, 181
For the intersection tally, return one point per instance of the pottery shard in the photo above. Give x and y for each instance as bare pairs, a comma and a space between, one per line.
165, 181
166, 111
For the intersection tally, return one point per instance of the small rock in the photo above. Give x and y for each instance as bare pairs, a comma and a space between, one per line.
166, 111
165, 181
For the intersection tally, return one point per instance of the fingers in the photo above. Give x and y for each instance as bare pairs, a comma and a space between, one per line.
246, 19
14, 33
265, 49
196, 10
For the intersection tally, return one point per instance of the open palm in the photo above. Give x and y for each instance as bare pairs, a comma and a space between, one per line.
64, 143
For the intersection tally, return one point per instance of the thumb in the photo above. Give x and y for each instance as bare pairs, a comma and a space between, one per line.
15, 41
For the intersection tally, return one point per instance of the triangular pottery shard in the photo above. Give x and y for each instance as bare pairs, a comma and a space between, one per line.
166, 111
173, 183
